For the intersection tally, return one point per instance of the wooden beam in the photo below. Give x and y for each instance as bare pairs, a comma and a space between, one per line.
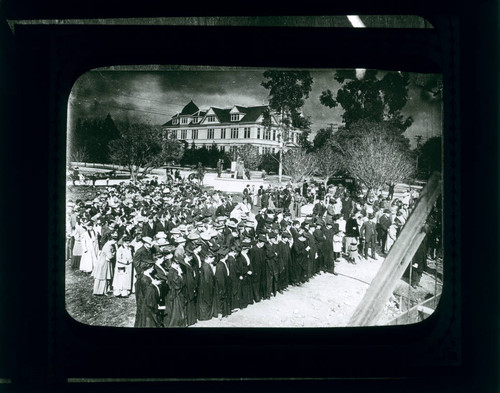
412, 315
398, 258
425, 310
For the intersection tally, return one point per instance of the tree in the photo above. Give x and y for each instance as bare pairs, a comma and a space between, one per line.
321, 138
371, 98
142, 146
79, 155
430, 157
376, 157
94, 135
329, 161
357, 130
287, 92
269, 162
299, 164
250, 156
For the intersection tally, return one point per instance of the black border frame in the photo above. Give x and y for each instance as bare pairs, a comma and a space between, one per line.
45, 346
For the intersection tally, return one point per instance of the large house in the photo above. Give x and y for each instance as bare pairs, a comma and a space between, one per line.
228, 128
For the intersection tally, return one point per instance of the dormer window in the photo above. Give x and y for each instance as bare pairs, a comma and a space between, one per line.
184, 120
195, 119
175, 121
235, 117
211, 119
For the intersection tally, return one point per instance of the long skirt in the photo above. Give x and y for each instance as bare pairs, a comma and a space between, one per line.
101, 287
75, 262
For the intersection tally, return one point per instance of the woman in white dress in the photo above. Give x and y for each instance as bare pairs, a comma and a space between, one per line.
77, 247
89, 254
391, 237
103, 271
122, 279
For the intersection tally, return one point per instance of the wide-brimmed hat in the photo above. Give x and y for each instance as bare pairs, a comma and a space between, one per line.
205, 235
147, 239
161, 242
161, 235
193, 236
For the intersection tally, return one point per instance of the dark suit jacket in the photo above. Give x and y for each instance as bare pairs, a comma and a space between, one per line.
368, 230
148, 230
141, 258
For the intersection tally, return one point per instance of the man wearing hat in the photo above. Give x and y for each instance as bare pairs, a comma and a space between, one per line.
384, 222
368, 231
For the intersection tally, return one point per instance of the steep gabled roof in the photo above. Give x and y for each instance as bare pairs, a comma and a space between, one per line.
190, 108
253, 113
222, 114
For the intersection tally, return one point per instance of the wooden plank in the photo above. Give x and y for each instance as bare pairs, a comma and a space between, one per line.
425, 310
411, 316
399, 257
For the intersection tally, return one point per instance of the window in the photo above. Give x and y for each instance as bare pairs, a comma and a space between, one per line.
222, 133
234, 133
247, 132
183, 134
258, 133
211, 118
184, 120
233, 150
175, 121
173, 134
274, 135
267, 134
235, 117
210, 133
195, 134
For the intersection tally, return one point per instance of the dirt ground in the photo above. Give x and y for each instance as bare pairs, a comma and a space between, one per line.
325, 301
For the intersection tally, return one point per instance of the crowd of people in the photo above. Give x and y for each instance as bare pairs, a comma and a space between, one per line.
189, 254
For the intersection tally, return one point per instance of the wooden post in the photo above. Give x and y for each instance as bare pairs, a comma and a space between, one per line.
399, 257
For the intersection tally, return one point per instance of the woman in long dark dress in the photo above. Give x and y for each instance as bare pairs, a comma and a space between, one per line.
151, 313
175, 301
190, 288
234, 276
245, 276
300, 257
206, 289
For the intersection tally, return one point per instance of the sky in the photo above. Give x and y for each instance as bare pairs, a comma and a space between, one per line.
156, 94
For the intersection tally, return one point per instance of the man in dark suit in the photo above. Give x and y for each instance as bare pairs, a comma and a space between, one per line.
368, 231
319, 209
384, 222
148, 228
